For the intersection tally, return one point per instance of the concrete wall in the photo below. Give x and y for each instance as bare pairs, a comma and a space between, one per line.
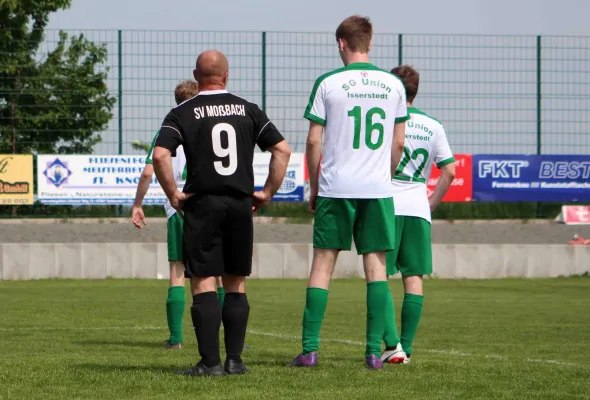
149, 260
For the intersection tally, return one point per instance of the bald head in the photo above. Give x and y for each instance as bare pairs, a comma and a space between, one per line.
211, 70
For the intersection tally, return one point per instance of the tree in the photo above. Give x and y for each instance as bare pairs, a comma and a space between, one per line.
139, 145
57, 104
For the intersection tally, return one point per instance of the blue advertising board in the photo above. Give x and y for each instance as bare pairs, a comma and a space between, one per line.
513, 177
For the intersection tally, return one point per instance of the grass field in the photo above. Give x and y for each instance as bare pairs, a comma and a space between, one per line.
504, 339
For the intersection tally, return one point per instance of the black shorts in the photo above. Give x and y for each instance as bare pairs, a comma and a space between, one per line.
218, 235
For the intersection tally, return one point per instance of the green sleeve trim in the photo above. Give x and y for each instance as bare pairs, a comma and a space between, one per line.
148, 159
414, 110
402, 119
314, 118
445, 162
409, 179
316, 86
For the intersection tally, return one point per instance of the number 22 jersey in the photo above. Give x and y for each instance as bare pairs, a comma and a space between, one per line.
426, 144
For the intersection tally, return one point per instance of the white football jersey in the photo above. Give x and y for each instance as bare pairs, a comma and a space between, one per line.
178, 171
358, 105
426, 144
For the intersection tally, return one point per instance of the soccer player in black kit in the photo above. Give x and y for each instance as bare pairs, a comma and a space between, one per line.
218, 132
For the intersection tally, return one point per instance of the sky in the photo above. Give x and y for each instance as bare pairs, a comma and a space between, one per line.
530, 17
483, 88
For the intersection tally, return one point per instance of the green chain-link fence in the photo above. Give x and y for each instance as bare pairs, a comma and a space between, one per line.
495, 94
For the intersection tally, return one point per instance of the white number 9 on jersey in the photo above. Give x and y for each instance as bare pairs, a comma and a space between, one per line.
229, 152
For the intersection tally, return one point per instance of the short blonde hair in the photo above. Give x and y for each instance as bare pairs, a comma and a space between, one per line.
185, 90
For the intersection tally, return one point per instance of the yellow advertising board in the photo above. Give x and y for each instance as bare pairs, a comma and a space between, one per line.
16, 179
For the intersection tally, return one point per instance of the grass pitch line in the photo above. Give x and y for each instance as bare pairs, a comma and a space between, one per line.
445, 352
278, 336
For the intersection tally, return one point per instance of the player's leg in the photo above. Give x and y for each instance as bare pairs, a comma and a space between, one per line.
374, 235
332, 232
391, 336
414, 263
203, 254
175, 301
238, 238
220, 291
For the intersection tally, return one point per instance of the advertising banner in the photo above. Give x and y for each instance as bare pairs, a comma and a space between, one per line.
574, 215
551, 178
16, 179
461, 189
293, 185
89, 179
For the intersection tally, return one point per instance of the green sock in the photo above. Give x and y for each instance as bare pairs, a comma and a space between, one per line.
411, 313
316, 301
390, 337
221, 295
174, 312
377, 293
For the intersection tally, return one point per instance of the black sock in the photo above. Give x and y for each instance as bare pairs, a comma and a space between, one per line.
206, 314
235, 321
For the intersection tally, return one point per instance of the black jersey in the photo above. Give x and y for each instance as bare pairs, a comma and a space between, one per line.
218, 132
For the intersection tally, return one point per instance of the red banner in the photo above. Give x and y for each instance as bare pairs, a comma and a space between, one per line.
576, 215
461, 189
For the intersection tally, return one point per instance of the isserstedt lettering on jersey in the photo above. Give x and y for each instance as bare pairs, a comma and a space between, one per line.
224, 110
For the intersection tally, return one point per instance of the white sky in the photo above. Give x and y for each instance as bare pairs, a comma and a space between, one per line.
546, 17
483, 88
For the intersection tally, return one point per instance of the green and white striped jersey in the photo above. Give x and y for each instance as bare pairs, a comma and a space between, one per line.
426, 144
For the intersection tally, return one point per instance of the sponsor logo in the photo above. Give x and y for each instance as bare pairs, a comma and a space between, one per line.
4, 164
501, 168
57, 172
289, 184
564, 170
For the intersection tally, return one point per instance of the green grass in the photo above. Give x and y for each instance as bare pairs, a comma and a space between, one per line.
503, 339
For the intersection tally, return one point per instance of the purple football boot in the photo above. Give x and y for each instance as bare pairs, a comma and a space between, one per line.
373, 362
310, 360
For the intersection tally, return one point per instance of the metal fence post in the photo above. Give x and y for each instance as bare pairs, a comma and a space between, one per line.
120, 99
400, 51
539, 206
264, 71
120, 90
539, 103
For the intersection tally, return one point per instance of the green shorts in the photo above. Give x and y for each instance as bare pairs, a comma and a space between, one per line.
412, 254
175, 238
370, 221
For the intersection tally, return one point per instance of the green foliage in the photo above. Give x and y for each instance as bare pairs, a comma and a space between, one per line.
55, 104
139, 145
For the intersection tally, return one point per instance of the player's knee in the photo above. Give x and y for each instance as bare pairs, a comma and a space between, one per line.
176, 273
413, 284
234, 284
203, 284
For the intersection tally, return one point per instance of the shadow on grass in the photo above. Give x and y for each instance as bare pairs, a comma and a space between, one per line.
125, 343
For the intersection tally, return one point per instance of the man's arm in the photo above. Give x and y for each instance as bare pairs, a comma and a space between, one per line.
313, 152
397, 148
163, 168
277, 168
443, 184
168, 140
